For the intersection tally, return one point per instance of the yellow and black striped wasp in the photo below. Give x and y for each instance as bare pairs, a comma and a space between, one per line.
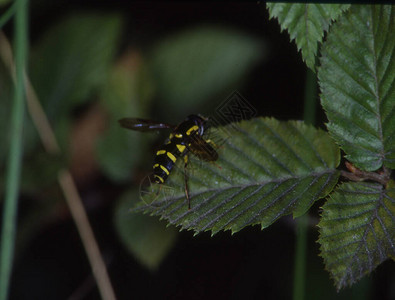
185, 137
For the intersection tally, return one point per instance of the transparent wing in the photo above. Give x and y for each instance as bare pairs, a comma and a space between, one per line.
202, 149
143, 125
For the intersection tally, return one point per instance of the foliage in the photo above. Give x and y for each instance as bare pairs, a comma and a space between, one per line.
357, 230
356, 78
121, 95
76, 54
147, 239
70, 62
306, 24
71, 65
200, 63
266, 169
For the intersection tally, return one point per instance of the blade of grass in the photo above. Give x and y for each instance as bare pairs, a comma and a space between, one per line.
51, 145
34, 108
87, 236
310, 103
8, 14
15, 154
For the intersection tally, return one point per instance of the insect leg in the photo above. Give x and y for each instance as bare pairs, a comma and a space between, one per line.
186, 181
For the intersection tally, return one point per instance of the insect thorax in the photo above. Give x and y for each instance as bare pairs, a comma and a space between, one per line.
176, 146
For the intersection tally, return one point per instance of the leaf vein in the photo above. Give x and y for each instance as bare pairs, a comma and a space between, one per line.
275, 200
209, 211
281, 140
263, 148
250, 206
215, 220
266, 171
311, 145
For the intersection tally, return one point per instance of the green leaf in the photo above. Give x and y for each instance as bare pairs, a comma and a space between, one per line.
266, 169
306, 24
119, 150
357, 230
146, 238
199, 63
357, 84
72, 59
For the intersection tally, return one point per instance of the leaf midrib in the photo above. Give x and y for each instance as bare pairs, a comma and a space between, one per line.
222, 189
376, 91
363, 239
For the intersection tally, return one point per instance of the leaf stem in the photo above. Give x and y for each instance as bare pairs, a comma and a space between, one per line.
87, 236
356, 174
302, 222
15, 153
34, 108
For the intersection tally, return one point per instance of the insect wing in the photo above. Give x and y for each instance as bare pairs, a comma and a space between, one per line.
202, 149
142, 124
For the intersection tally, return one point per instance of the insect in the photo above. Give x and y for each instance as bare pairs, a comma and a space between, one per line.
185, 137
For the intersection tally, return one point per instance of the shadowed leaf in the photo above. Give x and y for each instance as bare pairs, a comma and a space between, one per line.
197, 64
123, 95
72, 59
147, 238
357, 230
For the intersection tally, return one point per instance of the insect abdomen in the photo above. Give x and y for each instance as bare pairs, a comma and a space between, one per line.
176, 147
165, 159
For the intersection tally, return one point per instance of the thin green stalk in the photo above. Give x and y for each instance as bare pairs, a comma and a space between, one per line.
7, 15
15, 153
310, 103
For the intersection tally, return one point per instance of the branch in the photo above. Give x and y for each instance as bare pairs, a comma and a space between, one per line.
356, 174
88, 239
